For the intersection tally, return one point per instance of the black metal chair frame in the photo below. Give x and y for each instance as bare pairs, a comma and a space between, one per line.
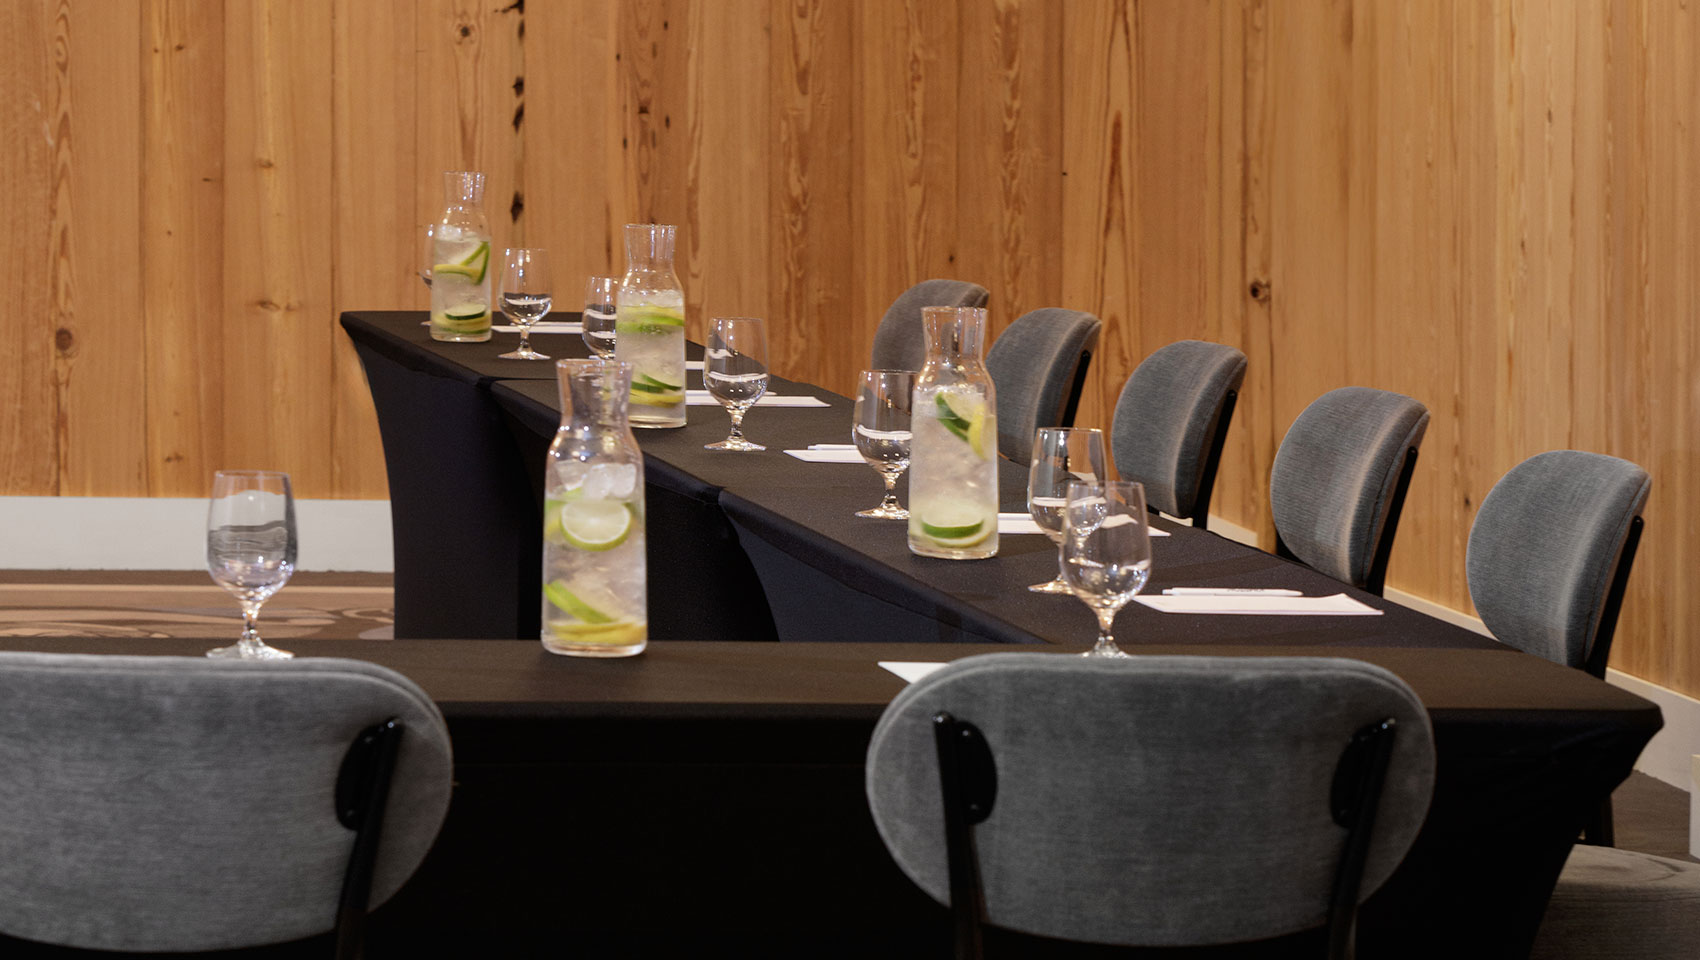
1599, 830
968, 781
362, 791
1200, 515
1376, 581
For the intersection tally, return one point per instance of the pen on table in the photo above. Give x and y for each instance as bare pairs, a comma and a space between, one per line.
1231, 592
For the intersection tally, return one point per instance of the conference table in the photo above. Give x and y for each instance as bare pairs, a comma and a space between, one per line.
709, 793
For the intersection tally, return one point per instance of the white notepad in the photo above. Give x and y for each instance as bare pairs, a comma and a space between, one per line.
701, 398
910, 670
1338, 605
827, 456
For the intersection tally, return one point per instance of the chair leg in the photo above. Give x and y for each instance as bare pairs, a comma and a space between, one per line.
1599, 831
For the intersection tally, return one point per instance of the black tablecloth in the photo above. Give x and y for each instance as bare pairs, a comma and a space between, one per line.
707, 798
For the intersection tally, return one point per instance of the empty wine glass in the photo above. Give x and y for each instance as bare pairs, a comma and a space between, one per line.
427, 252
734, 370
1106, 551
1060, 454
251, 549
525, 295
599, 301
881, 432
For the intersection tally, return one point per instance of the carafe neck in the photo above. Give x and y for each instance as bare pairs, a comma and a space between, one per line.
955, 335
594, 394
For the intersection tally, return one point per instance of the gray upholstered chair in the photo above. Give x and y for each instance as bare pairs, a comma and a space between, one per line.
1171, 422
1615, 905
900, 343
1038, 366
1338, 483
1549, 558
1550, 553
1156, 801
183, 804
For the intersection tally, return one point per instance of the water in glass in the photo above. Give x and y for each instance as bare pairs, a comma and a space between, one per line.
526, 299
882, 433
600, 297
1106, 551
251, 549
734, 371
1060, 455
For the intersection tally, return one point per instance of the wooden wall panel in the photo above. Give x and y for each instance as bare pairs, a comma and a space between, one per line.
97, 209
1484, 205
28, 131
279, 241
182, 243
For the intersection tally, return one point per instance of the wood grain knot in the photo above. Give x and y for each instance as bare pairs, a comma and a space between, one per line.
264, 163
1259, 291
64, 340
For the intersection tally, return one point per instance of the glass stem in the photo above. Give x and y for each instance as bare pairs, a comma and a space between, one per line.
250, 623
737, 423
890, 501
1106, 620
525, 339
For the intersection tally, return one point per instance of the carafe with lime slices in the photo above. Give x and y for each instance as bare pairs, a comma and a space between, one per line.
595, 598
649, 326
953, 469
460, 272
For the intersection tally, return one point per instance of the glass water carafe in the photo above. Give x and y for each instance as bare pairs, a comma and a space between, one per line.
460, 273
649, 329
953, 469
595, 599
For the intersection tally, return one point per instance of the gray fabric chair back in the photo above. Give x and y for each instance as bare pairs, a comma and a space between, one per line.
1152, 801
1331, 489
1545, 546
1167, 420
900, 343
185, 804
1038, 366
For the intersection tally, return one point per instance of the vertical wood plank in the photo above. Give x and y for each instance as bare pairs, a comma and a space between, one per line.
182, 249
29, 133
1099, 239
573, 187
279, 241
904, 139
102, 426
817, 332
375, 180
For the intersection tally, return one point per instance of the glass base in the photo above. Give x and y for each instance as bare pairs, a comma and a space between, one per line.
525, 354
1109, 650
883, 512
1057, 586
250, 650
564, 648
733, 444
448, 337
928, 549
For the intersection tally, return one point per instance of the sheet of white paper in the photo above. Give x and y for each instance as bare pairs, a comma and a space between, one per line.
693, 364
547, 326
827, 456
909, 670
1010, 523
1338, 605
701, 398
1017, 523
832, 446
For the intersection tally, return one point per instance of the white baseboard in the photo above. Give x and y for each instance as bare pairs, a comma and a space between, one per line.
1673, 755
160, 533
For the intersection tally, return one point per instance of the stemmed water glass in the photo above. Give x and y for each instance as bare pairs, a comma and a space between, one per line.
734, 370
251, 549
1106, 551
1060, 455
599, 310
525, 295
882, 434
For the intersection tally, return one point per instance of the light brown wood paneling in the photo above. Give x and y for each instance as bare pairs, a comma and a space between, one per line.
28, 130
279, 241
1484, 205
182, 243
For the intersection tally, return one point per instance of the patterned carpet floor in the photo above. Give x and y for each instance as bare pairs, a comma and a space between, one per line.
128, 603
